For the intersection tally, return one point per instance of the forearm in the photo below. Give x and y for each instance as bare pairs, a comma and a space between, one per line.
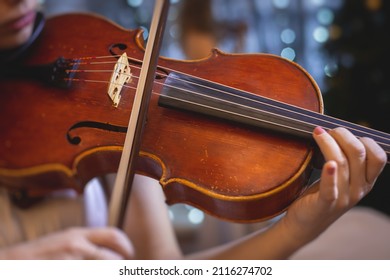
277, 242
16, 252
4, 254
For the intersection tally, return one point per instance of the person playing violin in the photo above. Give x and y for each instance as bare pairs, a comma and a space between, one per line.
62, 227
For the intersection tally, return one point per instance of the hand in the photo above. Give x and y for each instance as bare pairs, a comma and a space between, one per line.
74, 243
351, 169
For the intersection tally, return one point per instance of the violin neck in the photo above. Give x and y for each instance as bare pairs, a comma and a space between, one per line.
190, 93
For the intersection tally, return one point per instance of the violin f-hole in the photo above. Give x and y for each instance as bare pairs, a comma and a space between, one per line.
76, 139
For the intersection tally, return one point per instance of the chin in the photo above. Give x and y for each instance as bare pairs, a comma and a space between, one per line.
16, 39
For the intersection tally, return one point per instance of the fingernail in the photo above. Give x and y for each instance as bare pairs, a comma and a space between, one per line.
319, 130
331, 169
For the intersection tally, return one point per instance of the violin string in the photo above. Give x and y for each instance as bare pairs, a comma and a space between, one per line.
222, 110
267, 104
197, 93
197, 104
308, 123
201, 85
263, 103
259, 111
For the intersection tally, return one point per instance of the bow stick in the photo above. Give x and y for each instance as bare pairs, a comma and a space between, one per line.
126, 170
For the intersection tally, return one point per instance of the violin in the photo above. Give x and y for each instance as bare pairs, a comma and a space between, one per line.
229, 134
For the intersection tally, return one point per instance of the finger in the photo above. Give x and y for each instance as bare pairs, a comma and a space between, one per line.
376, 159
328, 192
101, 253
332, 151
328, 145
113, 239
355, 152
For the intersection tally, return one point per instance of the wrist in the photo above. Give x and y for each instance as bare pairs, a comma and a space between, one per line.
291, 237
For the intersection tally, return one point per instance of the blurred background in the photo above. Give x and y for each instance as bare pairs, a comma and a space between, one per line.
343, 44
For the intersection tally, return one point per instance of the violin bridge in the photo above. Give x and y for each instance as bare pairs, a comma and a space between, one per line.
119, 77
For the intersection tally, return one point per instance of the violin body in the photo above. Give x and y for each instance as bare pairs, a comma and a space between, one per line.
55, 138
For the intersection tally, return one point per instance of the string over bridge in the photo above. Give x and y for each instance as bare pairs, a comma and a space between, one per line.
120, 76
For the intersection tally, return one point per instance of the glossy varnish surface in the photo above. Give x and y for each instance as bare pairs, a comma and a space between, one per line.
230, 170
